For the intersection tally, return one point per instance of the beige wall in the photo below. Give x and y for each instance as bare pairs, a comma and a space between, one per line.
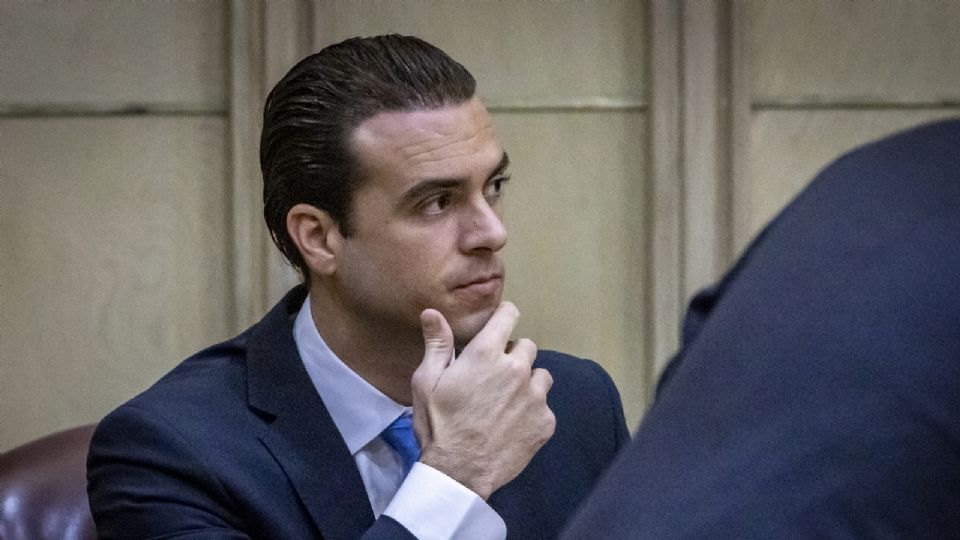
114, 201
650, 141
819, 78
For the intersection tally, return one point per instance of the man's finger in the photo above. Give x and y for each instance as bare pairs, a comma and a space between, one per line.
541, 381
496, 333
524, 349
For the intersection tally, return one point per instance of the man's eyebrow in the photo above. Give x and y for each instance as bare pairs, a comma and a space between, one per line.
502, 166
428, 186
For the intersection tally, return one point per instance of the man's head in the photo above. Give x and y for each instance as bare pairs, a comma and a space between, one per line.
310, 115
382, 180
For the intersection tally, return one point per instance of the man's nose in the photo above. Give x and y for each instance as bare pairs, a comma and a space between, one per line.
483, 229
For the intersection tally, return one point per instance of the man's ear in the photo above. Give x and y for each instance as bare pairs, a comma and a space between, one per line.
317, 236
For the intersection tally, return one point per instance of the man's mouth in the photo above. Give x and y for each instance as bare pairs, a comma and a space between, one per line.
481, 286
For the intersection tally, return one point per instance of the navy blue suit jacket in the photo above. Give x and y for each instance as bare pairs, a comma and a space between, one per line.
236, 443
817, 391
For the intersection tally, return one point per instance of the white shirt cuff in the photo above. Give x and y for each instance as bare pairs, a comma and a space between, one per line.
433, 506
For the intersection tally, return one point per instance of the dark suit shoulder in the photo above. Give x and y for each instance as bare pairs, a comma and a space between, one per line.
565, 365
586, 403
160, 446
211, 375
579, 379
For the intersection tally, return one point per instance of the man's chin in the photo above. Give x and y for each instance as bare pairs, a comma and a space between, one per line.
466, 327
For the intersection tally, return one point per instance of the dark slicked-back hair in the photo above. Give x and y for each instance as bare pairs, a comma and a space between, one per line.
310, 115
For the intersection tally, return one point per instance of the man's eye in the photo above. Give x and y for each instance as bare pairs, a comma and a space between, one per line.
435, 204
495, 186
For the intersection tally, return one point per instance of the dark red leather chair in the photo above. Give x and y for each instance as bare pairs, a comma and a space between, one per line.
43, 488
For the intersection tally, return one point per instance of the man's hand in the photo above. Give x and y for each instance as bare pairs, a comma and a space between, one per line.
481, 418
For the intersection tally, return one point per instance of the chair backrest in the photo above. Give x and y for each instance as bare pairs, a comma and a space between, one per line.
43, 488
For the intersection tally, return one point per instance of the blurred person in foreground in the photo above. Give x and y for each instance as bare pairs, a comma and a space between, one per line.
817, 391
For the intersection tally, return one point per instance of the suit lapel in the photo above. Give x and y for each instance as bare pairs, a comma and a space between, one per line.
301, 435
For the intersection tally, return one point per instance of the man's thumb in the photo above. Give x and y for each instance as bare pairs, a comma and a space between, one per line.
438, 350
437, 341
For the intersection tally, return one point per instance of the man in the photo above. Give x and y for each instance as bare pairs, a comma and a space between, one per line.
817, 393
383, 178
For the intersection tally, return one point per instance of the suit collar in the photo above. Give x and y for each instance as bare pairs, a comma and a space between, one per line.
301, 435
359, 410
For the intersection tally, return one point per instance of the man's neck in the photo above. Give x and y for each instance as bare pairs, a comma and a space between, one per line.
384, 357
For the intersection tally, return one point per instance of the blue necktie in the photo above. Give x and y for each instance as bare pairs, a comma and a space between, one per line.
399, 435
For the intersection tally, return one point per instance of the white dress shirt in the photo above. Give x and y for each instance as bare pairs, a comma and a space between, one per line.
428, 503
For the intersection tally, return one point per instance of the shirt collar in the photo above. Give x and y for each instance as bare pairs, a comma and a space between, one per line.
359, 410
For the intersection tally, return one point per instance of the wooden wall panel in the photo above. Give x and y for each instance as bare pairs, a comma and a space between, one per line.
98, 55
788, 148
115, 204
113, 262
575, 261
857, 52
561, 53
815, 79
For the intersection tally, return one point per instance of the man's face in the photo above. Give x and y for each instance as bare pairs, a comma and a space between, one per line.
426, 220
